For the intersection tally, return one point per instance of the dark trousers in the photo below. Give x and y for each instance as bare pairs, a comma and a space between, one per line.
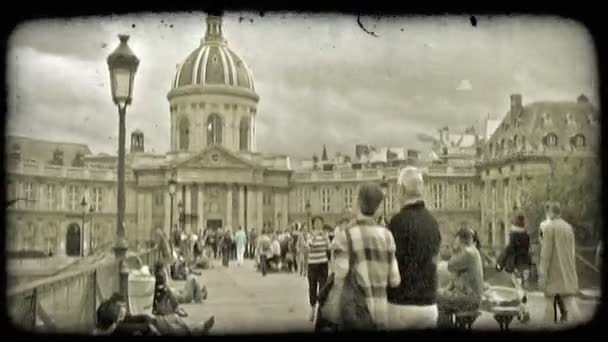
135, 325
317, 277
263, 264
558, 303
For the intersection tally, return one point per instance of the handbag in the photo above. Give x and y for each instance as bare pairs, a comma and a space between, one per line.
355, 314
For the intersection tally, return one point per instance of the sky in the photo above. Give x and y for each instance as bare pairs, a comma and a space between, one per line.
321, 79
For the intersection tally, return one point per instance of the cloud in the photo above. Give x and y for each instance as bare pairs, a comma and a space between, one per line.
464, 85
320, 78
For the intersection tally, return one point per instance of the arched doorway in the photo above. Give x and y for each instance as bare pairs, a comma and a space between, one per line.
501, 234
72, 240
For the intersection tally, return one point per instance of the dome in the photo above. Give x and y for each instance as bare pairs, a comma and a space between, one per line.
213, 63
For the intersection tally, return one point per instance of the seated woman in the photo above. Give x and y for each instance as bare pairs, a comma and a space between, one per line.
112, 319
192, 290
465, 292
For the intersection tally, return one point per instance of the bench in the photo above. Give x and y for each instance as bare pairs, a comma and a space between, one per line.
464, 320
504, 316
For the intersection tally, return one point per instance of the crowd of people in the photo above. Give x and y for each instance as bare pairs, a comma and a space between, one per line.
405, 275
371, 272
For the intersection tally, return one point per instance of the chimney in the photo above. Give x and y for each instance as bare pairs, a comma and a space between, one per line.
516, 103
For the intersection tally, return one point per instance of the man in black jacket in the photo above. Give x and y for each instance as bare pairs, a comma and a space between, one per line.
413, 304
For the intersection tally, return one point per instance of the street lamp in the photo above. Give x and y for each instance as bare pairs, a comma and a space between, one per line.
279, 221
180, 210
308, 213
83, 205
91, 229
172, 189
122, 64
384, 187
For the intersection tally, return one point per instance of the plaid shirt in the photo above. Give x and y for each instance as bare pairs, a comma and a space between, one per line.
375, 264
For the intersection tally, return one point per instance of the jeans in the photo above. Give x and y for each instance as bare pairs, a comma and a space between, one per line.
192, 291
317, 277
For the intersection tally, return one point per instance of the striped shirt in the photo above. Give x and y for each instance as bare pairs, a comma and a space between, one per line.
375, 264
319, 245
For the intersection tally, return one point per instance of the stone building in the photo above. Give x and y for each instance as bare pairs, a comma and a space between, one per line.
525, 144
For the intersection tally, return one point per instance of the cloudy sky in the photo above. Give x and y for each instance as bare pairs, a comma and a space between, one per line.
321, 79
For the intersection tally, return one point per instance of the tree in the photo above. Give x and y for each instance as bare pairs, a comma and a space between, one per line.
575, 184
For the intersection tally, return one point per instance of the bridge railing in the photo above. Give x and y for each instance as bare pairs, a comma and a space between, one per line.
68, 302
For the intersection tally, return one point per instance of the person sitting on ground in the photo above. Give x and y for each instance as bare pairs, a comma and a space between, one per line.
113, 319
192, 290
465, 292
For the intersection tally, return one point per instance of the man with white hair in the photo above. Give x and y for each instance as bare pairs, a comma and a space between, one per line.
413, 304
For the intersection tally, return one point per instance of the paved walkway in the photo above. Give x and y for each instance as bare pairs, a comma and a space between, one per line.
243, 301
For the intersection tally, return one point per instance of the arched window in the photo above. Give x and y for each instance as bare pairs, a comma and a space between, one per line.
184, 133
214, 129
578, 141
244, 135
551, 140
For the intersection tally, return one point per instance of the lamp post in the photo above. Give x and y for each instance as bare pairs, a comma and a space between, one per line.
172, 189
308, 214
279, 221
180, 210
83, 205
384, 187
91, 229
122, 64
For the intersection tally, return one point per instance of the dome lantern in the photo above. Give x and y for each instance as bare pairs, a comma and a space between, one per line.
214, 30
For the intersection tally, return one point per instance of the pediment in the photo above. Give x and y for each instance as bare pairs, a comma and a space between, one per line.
217, 158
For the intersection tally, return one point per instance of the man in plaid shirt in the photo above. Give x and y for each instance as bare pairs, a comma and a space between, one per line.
374, 251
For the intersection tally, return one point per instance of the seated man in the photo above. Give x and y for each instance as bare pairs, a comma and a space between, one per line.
112, 319
465, 292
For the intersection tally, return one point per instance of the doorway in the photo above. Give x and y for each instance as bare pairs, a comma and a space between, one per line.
72, 240
214, 224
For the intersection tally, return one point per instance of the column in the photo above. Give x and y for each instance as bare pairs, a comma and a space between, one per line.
229, 207
250, 203
63, 195
188, 209
285, 210
167, 226
148, 226
200, 209
276, 210
241, 206
260, 207
141, 215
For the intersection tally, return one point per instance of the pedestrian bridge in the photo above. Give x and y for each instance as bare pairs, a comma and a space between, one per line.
68, 301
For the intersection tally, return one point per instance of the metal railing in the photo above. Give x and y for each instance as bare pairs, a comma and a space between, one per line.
68, 302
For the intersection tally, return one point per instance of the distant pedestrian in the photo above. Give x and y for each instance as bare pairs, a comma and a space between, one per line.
413, 304
241, 241
264, 251
317, 262
516, 260
226, 246
558, 277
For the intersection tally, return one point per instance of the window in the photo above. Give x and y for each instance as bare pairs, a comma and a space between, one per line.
325, 199
98, 235
244, 134
73, 194
50, 243
348, 197
507, 193
463, 193
51, 199
97, 199
437, 195
30, 195
491, 150
214, 129
551, 140
29, 237
578, 141
570, 120
304, 198
494, 195
184, 133
547, 121
12, 191
159, 198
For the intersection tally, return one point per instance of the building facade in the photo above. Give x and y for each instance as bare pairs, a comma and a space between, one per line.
223, 181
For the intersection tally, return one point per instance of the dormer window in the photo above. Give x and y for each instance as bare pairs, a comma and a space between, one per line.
547, 121
592, 119
570, 120
578, 141
551, 140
